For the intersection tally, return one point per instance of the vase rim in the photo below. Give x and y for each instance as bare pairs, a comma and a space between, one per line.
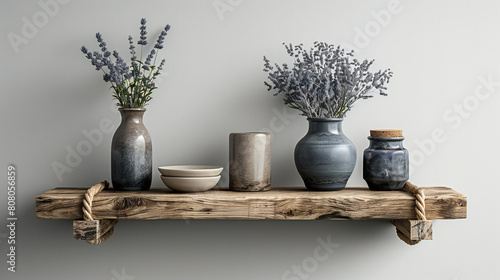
131, 109
325, 119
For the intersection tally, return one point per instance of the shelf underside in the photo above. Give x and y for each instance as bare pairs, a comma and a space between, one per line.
278, 204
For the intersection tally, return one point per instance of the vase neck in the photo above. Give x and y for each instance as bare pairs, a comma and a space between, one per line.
132, 115
386, 143
333, 126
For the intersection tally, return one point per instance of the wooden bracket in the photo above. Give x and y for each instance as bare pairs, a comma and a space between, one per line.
94, 232
412, 231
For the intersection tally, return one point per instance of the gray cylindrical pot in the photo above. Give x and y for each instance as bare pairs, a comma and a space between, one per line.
250, 161
325, 157
386, 164
131, 153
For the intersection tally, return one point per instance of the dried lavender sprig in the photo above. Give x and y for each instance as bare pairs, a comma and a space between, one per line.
131, 48
324, 81
132, 85
161, 37
160, 67
149, 57
101, 42
143, 39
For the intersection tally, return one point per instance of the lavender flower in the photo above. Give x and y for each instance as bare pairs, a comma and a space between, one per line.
131, 48
161, 64
132, 84
325, 81
150, 57
101, 42
161, 38
143, 39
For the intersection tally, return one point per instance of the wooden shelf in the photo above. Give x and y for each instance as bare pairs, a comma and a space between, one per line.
278, 204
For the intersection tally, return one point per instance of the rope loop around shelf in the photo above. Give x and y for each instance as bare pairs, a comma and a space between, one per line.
419, 209
420, 202
89, 197
87, 209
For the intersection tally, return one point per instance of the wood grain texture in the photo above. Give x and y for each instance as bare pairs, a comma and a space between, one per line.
91, 230
415, 229
277, 204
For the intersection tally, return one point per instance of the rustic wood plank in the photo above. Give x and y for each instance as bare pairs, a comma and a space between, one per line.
279, 204
415, 229
91, 230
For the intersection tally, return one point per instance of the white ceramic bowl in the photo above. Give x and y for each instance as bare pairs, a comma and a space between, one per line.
190, 184
190, 171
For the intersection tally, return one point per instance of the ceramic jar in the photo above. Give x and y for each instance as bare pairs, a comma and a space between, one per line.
386, 161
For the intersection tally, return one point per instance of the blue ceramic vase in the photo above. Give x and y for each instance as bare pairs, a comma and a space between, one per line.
386, 164
325, 157
131, 153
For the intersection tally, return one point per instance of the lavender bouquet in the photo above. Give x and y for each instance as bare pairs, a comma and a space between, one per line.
132, 84
325, 81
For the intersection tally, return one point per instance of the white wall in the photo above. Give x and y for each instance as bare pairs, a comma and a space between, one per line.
440, 51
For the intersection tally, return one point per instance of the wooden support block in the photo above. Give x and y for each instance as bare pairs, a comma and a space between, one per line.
103, 238
94, 231
415, 230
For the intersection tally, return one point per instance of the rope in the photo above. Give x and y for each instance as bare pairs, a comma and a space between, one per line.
89, 197
87, 209
420, 202
419, 209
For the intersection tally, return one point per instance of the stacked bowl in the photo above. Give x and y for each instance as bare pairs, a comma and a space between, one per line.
190, 178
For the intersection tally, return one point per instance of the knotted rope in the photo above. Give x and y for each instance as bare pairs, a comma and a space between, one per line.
420, 202
419, 209
87, 208
89, 197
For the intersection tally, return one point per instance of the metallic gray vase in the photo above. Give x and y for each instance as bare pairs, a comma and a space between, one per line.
131, 153
250, 161
325, 157
386, 164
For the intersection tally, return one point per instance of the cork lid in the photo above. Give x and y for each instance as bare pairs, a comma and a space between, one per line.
386, 133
